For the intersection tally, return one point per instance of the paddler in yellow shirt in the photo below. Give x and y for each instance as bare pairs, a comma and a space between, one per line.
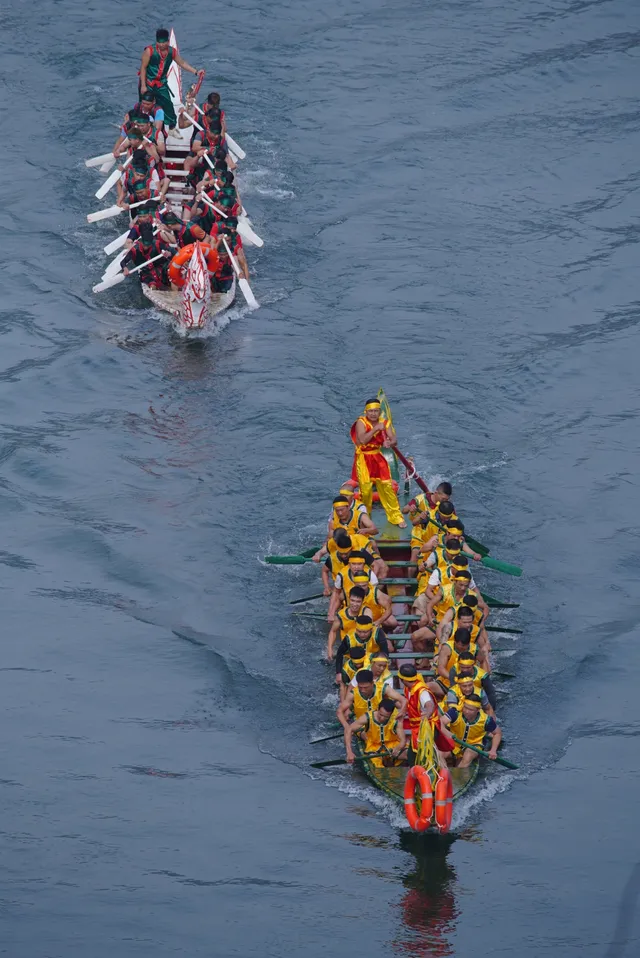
380, 731
472, 725
370, 433
351, 517
341, 544
344, 623
468, 617
450, 596
355, 662
366, 696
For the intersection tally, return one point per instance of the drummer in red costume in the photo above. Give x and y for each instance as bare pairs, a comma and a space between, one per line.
422, 705
370, 433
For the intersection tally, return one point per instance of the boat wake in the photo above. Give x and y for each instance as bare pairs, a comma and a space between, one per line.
465, 806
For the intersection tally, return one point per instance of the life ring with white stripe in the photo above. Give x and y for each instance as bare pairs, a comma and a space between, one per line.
183, 256
444, 801
417, 775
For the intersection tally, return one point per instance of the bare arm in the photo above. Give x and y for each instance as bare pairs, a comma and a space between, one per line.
333, 635
242, 260
348, 735
386, 604
143, 70
183, 63
496, 738
443, 662
366, 526
343, 710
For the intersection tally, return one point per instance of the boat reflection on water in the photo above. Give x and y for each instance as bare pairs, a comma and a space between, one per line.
429, 909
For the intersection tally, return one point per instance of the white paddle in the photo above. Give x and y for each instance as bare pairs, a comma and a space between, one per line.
247, 292
98, 160
116, 243
247, 233
120, 278
183, 110
209, 202
113, 179
114, 210
231, 143
108, 165
115, 264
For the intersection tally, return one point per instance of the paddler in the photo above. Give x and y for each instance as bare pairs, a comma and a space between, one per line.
468, 617
421, 704
222, 279
344, 623
449, 653
451, 596
154, 73
351, 516
229, 230
364, 633
424, 515
371, 433
380, 732
144, 217
145, 248
468, 668
461, 689
365, 696
355, 662
471, 724
341, 545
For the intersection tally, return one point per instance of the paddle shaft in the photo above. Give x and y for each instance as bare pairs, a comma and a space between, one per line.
481, 751
307, 598
343, 761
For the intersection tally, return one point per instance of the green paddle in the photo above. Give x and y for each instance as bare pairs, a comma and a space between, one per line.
327, 738
498, 628
499, 566
343, 761
494, 603
312, 615
307, 598
287, 560
480, 751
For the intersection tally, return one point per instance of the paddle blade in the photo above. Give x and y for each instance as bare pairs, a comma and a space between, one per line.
104, 214
115, 244
114, 265
108, 184
497, 628
235, 147
285, 560
108, 165
307, 598
494, 603
108, 283
99, 160
499, 566
247, 292
248, 234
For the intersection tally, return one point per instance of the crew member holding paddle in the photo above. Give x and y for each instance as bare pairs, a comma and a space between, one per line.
371, 433
154, 73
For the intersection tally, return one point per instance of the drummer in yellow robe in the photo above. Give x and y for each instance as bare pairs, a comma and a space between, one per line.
380, 732
370, 434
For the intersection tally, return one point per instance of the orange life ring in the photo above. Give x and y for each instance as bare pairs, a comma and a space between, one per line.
418, 775
444, 801
184, 255
376, 498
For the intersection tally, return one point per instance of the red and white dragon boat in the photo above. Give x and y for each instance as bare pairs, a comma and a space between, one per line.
194, 306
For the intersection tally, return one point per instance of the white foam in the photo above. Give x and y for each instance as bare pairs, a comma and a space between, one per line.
479, 795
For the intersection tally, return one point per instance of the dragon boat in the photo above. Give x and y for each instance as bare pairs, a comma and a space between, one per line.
425, 791
194, 306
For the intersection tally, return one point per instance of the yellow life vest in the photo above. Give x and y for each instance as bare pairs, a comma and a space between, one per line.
453, 660
361, 705
471, 733
372, 645
352, 524
347, 624
358, 544
350, 668
378, 737
348, 584
371, 602
478, 674
448, 601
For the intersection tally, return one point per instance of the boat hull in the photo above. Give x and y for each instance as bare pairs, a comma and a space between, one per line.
170, 301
